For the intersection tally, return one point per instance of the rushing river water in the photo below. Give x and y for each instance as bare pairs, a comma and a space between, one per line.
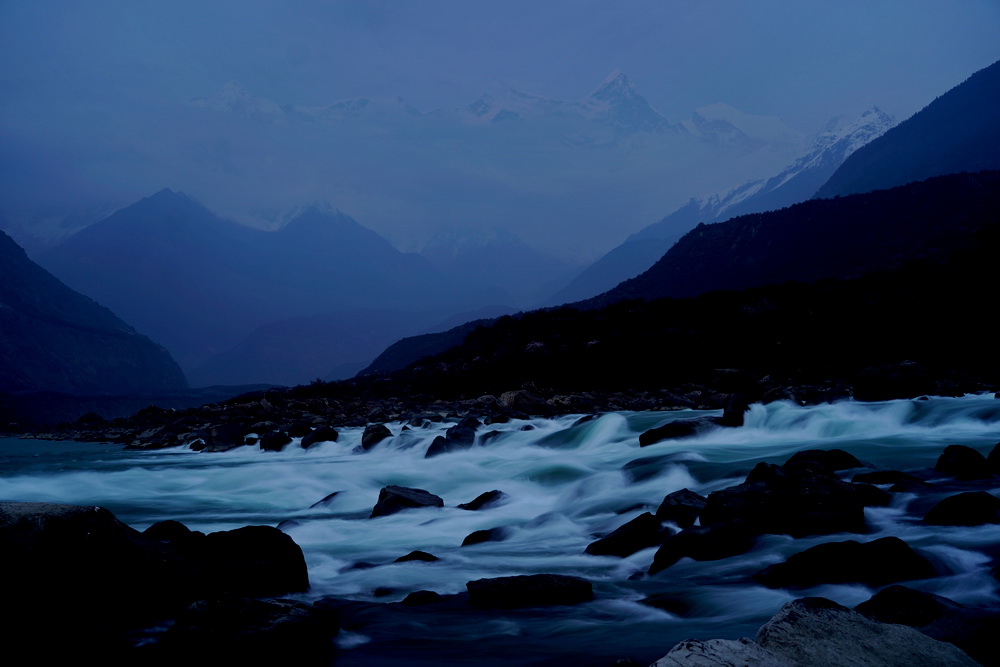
565, 483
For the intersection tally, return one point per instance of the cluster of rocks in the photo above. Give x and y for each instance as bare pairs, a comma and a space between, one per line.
275, 416
80, 575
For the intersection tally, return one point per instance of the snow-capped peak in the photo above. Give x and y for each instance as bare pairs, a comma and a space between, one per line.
235, 98
616, 84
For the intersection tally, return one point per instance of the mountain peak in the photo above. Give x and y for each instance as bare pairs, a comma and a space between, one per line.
615, 85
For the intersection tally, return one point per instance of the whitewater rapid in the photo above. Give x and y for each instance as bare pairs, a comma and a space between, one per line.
566, 482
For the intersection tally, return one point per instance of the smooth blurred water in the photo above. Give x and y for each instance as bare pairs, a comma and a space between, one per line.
565, 484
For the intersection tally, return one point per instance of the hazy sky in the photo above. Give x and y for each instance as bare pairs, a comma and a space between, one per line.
63, 62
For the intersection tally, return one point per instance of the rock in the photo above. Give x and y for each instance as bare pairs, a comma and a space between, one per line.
963, 463
418, 598
816, 631
274, 441
392, 499
489, 535
326, 500
227, 629
702, 543
255, 561
799, 500
525, 401
741, 652
993, 459
321, 434
220, 437
973, 508
417, 556
299, 429
640, 533
733, 411
887, 477
972, 630
533, 590
682, 507
374, 434
831, 459
458, 437
484, 501
883, 561
680, 428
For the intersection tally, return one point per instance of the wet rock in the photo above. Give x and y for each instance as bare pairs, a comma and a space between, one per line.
422, 556
321, 434
326, 500
274, 441
702, 543
418, 598
392, 499
973, 508
374, 434
993, 459
963, 463
884, 561
680, 428
887, 477
972, 630
299, 429
533, 590
460, 436
484, 501
642, 532
488, 535
682, 507
219, 438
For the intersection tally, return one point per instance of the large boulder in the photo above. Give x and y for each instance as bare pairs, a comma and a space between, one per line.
798, 500
255, 561
484, 501
321, 434
682, 507
963, 463
532, 590
973, 508
703, 543
972, 630
392, 499
460, 436
883, 561
817, 631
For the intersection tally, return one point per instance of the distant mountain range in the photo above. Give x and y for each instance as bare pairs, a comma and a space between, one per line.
200, 284
57, 340
797, 182
930, 222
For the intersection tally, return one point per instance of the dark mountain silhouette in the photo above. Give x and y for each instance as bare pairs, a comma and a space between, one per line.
959, 131
55, 339
201, 284
795, 183
826, 238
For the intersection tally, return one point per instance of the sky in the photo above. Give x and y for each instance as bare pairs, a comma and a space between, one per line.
76, 77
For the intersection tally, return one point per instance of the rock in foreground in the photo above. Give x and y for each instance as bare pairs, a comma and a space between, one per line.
817, 631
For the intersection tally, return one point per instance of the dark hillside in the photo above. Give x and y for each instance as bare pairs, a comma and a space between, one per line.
959, 131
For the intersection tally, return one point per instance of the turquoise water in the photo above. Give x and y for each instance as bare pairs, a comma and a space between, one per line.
565, 484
